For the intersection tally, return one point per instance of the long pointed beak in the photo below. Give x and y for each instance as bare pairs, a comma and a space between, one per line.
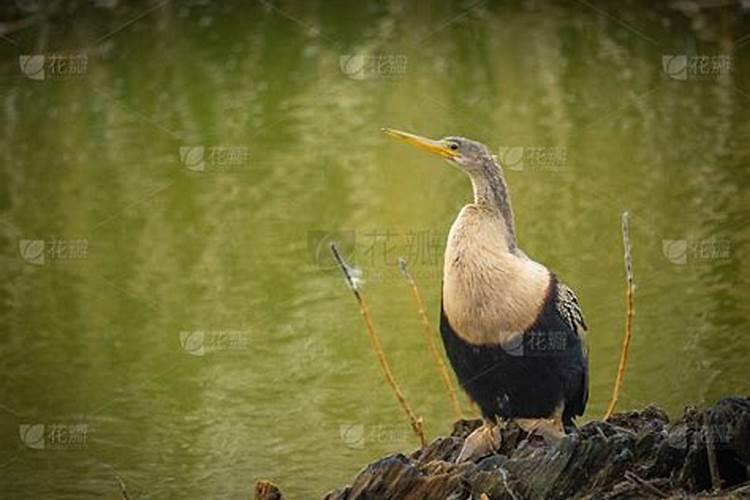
430, 145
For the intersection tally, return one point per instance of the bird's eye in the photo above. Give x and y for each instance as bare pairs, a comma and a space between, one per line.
454, 146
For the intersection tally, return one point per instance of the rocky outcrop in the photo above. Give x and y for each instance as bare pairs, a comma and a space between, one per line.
631, 455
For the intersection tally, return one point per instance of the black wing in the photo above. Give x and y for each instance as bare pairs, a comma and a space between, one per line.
569, 310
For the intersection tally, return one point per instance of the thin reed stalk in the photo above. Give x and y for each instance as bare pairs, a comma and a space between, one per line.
429, 336
628, 317
352, 281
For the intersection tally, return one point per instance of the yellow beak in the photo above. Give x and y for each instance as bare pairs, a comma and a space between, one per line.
435, 147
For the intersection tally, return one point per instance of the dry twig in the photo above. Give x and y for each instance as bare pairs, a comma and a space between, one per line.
123, 489
430, 339
352, 281
628, 317
644, 485
713, 465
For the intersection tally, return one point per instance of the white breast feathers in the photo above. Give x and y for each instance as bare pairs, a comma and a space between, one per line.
490, 294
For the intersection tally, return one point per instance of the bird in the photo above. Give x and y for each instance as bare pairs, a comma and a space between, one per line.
513, 332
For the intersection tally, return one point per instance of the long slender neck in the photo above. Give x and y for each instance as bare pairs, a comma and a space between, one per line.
491, 191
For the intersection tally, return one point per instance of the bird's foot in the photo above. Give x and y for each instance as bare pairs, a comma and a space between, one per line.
483, 441
551, 429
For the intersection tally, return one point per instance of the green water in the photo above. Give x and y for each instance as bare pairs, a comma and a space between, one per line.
170, 315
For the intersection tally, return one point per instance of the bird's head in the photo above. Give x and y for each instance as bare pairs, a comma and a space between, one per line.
475, 159
471, 156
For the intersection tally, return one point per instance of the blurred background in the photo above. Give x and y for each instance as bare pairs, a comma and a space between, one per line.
172, 174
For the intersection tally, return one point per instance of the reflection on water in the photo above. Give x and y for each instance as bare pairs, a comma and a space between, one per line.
168, 184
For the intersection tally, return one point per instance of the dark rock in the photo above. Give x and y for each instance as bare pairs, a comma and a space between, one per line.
463, 427
266, 490
397, 476
633, 454
440, 449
